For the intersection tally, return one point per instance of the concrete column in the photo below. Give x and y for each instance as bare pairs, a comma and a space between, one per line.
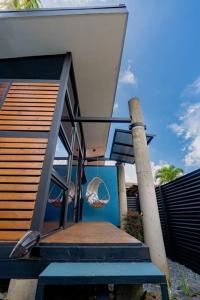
22, 289
148, 203
122, 194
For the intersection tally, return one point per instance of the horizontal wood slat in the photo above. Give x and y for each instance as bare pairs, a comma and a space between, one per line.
25, 118
23, 140
23, 145
19, 187
21, 158
32, 104
15, 224
24, 128
15, 214
21, 165
23, 88
22, 205
27, 96
35, 84
6, 235
30, 100
28, 106
30, 91
11, 196
38, 123
26, 113
21, 151
23, 172
19, 179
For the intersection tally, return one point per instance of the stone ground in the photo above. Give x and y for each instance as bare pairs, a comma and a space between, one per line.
180, 275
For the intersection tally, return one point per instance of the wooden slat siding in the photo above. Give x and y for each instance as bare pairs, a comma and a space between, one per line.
16, 214
24, 172
29, 92
15, 224
23, 88
22, 205
34, 95
26, 113
14, 235
19, 179
21, 165
12, 196
24, 128
10, 122
38, 84
22, 146
27, 104
30, 100
21, 158
23, 140
26, 118
27, 107
21, 151
18, 187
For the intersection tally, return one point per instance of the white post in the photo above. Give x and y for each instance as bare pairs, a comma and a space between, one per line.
151, 221
122, 194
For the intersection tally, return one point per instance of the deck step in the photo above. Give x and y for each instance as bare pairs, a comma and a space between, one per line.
100, 274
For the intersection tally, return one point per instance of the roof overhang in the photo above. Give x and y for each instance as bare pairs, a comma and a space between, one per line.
94, 36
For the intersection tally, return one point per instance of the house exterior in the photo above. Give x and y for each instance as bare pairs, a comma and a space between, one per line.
58, 76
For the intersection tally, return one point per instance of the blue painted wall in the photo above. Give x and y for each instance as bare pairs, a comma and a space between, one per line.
110, 212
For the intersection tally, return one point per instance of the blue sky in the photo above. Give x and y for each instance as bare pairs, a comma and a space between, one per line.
161, 66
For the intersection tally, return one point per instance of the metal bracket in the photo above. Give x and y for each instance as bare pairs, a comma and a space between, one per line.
25, 244
137, 124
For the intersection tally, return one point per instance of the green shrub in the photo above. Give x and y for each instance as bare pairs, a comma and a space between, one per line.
134, 225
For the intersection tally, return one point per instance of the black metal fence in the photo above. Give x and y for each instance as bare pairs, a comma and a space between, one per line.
179, 208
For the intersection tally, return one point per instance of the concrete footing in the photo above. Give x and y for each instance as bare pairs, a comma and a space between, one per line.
22, 289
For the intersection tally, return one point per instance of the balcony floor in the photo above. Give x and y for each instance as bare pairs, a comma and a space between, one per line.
91, 233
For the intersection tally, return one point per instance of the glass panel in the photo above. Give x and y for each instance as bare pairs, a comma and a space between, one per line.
123, 137
61, 158
67, 126
122, 149
53, 208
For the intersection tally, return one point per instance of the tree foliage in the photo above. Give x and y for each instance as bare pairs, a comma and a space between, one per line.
168, 173
20, 4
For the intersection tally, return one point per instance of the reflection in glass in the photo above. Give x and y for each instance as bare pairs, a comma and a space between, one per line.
53, 208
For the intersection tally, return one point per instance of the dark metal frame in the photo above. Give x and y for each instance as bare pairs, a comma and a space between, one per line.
149, 139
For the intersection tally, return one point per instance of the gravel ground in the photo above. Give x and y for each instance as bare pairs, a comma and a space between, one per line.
179, 272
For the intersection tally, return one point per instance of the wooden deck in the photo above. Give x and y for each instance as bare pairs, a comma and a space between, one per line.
91, 233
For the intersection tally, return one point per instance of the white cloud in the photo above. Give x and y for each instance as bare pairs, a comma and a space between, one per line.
189, 128
130, 171
128, 77
193, 89
116, 106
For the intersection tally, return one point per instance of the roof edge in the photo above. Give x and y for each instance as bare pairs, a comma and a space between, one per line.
121, 8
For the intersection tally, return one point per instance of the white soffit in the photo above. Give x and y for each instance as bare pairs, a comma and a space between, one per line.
95, 38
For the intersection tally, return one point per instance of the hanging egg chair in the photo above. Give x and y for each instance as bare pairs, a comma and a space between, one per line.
71, 193
57, 200
92, 194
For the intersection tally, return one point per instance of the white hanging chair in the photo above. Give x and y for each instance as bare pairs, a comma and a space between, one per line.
92, 193
57, 201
